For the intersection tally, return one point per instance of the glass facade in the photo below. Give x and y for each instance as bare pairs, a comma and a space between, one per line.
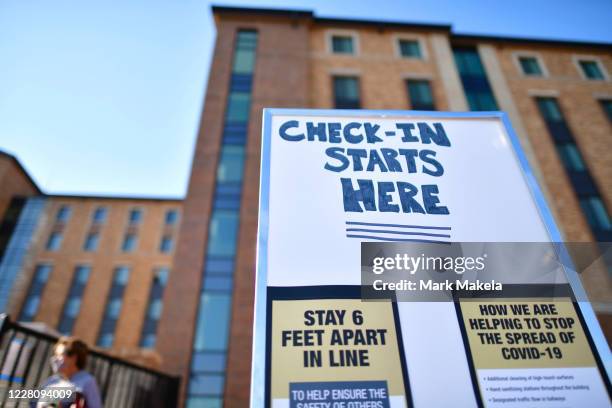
207, 373
17, 229
410, 49
346, 92
32, 301
106, 334
474, 79
579, 175
420, 95
530, 66
149, 329
342, 44
72, 305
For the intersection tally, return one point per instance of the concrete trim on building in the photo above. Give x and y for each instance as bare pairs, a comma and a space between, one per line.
449, 75
503, 96
546, 93
416, 75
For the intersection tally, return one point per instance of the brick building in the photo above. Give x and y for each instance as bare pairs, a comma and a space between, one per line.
94, 267
558, 96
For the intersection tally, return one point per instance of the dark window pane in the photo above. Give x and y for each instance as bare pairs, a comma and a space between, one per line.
204, 402
346, 92
63, 214
596, 213
208, 361
203, 384
135, 216
220, 283
420, 95
549, 108
410, 48
129, 243
231, 164
530, 66
570, 156
166, 244
591, 70
99, 215
161, 275
171, 217
219, 266
54, 242
223, 233
91, 242
122, 274
342, 44
213, 322
607, 107
238, 107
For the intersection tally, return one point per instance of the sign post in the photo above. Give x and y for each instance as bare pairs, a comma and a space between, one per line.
352, 309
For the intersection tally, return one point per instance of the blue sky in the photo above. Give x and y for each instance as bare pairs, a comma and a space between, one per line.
104, 97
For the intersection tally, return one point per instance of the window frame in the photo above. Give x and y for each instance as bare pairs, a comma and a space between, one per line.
577, 59
329, 36
419, 39
516, 57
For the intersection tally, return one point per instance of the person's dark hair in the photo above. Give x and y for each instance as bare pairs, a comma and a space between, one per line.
74, 347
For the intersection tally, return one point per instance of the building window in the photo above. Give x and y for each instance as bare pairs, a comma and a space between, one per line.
129, 242
112, 311
420, 95
63, 214
244, 56
99, 215
409, 49
346, 92
591, 69
149, 329
32, 301
238, 106
54, 242
171, 217
91, 242
530, 66
342, 44
474, 79
606, 105
165, 245
135, 216
222, 239
231, 164
72, 305
585, 188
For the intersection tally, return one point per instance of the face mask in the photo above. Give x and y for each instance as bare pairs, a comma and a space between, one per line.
57, 363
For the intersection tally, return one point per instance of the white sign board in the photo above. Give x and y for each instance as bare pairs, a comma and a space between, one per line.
333, 179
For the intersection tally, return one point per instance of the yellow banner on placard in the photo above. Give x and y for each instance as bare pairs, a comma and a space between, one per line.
525, 333
320, 340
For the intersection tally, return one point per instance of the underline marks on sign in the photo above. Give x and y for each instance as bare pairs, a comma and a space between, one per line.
375, 233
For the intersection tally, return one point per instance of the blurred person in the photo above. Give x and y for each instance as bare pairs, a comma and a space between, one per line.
68, 365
